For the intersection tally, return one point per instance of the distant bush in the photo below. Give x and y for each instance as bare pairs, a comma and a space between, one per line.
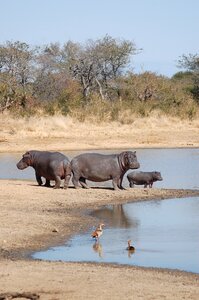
90, 82
147, 92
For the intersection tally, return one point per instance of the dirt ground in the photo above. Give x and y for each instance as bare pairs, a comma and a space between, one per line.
34, 218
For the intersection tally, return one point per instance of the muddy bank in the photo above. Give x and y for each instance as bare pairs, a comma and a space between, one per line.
34, 218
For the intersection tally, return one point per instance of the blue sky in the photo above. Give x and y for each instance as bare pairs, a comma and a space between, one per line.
164, 29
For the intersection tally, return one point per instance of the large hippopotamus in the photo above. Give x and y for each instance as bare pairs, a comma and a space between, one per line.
50, 165
98, 167
143, 178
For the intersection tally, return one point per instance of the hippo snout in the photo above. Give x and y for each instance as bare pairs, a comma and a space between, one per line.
21, 165
157, 176
135, 165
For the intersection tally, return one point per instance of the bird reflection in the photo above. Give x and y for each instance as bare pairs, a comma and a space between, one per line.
130, 253
97, 247
130, 249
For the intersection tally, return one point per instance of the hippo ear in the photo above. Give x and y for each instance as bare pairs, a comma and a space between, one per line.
27, 155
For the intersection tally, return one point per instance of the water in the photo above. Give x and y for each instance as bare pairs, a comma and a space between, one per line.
164, 233
179, 167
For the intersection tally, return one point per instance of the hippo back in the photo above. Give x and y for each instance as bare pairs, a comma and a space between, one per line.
101, 167
95, 166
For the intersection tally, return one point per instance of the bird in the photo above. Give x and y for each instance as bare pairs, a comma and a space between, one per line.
98, 232
130, 247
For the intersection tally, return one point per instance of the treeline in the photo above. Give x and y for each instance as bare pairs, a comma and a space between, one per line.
92, 79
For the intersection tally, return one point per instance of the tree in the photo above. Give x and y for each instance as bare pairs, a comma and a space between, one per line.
191, 63
97, 66
54, 69
100, 64
16, 65
16, 60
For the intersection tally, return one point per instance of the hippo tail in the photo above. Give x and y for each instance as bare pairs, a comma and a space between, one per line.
67, 167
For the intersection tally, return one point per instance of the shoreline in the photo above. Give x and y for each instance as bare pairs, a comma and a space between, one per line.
34, 218
107, 196
14, 147
64, 149
28, 221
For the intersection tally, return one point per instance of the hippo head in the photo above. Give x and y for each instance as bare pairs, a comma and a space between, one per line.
157, 176
128, 160
25, 162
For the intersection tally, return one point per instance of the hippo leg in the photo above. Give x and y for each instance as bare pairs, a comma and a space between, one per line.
151, 184
122, 188
120, 183
82, 181
131, 184
47, 184
57, 182
38, 178
75, 181
115, 184
67, 169
66, 181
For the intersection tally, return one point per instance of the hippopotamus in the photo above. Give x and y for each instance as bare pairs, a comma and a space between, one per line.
146, 178
99, 167
50, 165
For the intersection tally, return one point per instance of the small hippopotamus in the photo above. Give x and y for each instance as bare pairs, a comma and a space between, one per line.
146, 178
50, 165
99, 167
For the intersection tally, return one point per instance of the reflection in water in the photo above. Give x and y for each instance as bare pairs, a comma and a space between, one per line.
115, 216
164, 234
97, 247
130, 253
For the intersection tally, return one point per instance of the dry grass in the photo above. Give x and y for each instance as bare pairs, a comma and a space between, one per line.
63, 133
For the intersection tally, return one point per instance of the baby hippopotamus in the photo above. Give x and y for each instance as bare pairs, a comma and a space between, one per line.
143, 178
50, 165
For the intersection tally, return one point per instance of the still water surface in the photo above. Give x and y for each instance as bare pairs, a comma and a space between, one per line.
164, 233
179, 167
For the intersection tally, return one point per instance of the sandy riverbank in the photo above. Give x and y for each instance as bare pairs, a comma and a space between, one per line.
35, 217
